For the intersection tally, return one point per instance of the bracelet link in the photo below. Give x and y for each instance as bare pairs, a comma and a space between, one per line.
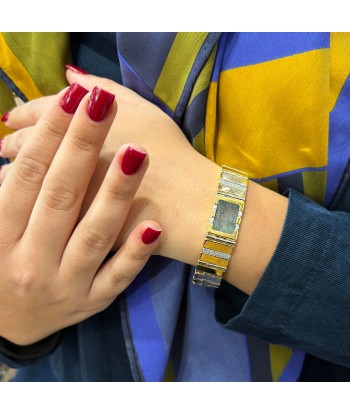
223, 228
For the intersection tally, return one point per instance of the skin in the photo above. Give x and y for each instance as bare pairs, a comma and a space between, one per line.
52, 272
177, 191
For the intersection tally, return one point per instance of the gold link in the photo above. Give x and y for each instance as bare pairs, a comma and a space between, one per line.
218, 245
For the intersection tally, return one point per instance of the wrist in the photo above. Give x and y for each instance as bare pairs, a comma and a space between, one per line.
260, 231
193, 204
260, 228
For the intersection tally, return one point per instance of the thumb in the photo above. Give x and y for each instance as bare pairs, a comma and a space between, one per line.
88, 81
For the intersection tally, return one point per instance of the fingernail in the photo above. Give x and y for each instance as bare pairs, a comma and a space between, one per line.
76, 69
0, 145
99, 103
150, 235
71, 99
132, 160
5, 117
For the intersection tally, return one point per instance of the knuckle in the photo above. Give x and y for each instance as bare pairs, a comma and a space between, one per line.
29, 112
59, 195
119, 193
30, 169
24, 280
19, 139
31, 116
136, 255
54, 130
118, 282
85, 143
96, 239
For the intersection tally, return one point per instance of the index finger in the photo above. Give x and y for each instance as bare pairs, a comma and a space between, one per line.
22, 185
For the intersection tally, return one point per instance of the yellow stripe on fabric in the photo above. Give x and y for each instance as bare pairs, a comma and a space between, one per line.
169, 373
273, 116
340, 64
211, 134
43, 55
16, 71
279, 358
315, 185
7, 102
3, 129
198, 142
271, 184
203, 80
178, 66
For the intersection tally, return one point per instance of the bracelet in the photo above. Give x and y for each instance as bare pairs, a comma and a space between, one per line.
223, 228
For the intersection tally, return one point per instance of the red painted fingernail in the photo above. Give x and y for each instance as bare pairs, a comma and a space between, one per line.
0, 145
150, 235
5, 117
76, 69
99, 103
132, 160
71, 99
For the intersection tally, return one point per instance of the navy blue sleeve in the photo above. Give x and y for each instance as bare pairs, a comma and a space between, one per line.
303, 298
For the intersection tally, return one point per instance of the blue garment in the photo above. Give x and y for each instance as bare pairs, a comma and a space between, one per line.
302, 299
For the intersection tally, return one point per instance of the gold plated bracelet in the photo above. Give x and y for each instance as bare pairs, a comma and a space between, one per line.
223, 228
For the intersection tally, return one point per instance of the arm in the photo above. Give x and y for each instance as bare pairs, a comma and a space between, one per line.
302, 299
179, 189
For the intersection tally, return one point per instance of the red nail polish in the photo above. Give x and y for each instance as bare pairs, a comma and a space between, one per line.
131, 161
99, 103
150, 235
71, 99
0, 145
5, 117
76, 69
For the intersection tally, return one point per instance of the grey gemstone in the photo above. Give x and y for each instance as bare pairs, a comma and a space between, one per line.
225, 217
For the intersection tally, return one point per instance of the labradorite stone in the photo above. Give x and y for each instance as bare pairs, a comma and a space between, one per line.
225, 217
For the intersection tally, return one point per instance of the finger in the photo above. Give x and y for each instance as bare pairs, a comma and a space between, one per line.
12, 143
67, 180
4, 170
27, 114
119, 271
97, 231
89, 81
20, 190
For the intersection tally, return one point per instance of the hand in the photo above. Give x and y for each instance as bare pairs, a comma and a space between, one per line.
179, 187
180, 183
52, 273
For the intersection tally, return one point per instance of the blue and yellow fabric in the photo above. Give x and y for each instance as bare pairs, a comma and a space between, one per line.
271, 104
279, 102
274, 105
22, 59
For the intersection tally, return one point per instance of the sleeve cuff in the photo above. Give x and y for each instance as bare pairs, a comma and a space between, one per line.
302, 299
17, 356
